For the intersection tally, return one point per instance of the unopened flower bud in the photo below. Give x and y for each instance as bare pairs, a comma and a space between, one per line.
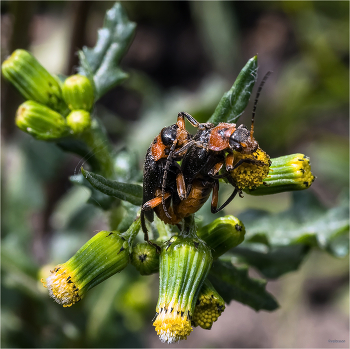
79, 121
40, 121
32, 80
222, 234
104, 255
287, 173
209, 306
78, 92
184, 265
145, 259
249, 175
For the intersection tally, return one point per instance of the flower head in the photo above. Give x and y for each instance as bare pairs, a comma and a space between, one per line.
209, 306
251, 174
287, 173
101, 257
184, 265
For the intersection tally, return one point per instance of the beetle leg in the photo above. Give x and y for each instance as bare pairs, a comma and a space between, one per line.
165, 175
181, 187
215, 197
181, 120
229, 162
249, 161
216, 169
149, 205
214, 201
145, 232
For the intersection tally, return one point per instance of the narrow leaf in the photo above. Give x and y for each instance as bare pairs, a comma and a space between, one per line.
233, 283
96, 198
234, 101
124, 191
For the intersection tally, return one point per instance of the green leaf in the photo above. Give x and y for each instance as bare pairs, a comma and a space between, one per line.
306, 222
101, 63
124, 191
233, 283
97, 198
273, 262
234, 101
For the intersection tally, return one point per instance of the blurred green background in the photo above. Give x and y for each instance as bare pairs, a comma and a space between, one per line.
185, 55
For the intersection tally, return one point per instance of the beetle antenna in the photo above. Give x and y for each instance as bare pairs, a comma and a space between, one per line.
256, 101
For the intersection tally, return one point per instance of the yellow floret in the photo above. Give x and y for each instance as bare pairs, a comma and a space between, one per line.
61, 286
250, 175
172, 325
207, 311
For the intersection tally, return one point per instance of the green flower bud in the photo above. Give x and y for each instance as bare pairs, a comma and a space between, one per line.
78, 92
41, 122
145, 259
209, 306
101, 257
32, 80
222, 234
184, 265
287, 173
79, 121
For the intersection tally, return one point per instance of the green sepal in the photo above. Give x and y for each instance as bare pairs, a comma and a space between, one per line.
124, 191
222, 234
78, 92
41, 122
101, 63
287, 173
234, 101
234, 283
145, 258
33, 81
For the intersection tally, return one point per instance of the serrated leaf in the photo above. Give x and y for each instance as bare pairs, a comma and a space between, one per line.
234, 283
306, 222
97, 198
101, 63
271, 262
234, 101
124, 191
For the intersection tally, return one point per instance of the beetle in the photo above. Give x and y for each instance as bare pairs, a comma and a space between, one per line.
202, 159
161, 170
199, 184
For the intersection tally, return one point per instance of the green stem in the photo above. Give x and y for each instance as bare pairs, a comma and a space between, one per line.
131, 233
96, 140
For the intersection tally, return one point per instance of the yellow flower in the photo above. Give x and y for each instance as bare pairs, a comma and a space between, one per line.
209, 307
251, 175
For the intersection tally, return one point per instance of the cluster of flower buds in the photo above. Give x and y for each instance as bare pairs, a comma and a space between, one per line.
53, 109
186, 297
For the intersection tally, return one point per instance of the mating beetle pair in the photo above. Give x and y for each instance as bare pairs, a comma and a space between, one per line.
175, 192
